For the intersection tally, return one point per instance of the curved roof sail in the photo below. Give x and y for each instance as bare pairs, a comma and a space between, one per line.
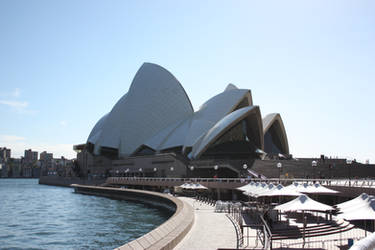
97, 130
188, 132
212, 111
275, 134
154, 95
252, 113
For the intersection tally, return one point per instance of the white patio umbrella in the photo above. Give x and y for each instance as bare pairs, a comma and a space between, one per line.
354, 202
198, 186
364, 212
310, 188
186, 185
292, 187
246, 187
280, 190
265, 189
193, 186
319, 189
366, 243
255, 189
251, 187
360, 208
303, 203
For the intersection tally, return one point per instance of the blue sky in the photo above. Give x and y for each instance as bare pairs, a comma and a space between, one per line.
63, 64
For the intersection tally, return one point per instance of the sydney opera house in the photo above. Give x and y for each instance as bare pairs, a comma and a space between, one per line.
153, 130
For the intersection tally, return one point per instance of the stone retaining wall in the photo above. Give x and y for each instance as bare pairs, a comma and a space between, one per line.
167, 235
55, 180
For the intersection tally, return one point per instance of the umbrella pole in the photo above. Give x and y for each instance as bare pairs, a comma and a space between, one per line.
304, 226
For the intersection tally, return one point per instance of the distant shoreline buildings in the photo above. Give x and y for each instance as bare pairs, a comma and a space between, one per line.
30, 166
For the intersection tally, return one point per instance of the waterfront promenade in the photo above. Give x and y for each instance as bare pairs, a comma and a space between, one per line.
210, 230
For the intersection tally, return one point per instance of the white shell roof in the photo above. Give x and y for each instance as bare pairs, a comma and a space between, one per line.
156, 112
97, 130
154, 101
187, 133
213, 110
268, 121
222, 126
230, 87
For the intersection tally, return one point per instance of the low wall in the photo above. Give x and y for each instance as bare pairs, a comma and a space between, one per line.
168, 234
54, 180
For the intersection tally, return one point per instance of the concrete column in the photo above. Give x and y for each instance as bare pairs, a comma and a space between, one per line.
234, 195
218, 194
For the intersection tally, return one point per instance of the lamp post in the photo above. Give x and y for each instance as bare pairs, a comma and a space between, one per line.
279, 165
349, 163
244, 166
216, 167
314, 164
191, 169
330, 166
155, 171
171, 169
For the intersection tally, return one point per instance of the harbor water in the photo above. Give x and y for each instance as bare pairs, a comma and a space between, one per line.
37, 216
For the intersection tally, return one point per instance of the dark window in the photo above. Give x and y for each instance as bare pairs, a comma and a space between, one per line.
272, 140
234, 143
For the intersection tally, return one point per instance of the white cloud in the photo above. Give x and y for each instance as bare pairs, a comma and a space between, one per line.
14, 104
11, 94
63, 123
10, 99
11, 138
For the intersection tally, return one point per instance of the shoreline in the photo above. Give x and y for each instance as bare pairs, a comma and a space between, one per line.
165, 236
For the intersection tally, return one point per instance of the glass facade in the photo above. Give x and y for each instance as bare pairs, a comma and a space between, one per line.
272, 140
235, 142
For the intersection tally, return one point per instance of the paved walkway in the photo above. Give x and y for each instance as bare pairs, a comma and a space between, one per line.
210, 230
214, 230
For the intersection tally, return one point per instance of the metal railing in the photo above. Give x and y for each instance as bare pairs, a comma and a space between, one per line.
363, 183
323, 244
267, 235
170, 179
250, 235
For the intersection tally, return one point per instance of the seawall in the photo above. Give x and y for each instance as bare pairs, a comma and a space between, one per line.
168, 234
54, 180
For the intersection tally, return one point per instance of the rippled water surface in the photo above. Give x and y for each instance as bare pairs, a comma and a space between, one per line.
36, 216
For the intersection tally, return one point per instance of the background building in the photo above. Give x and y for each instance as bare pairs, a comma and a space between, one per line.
30, 156
45, 162
29, 163
30, 167
5, 153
